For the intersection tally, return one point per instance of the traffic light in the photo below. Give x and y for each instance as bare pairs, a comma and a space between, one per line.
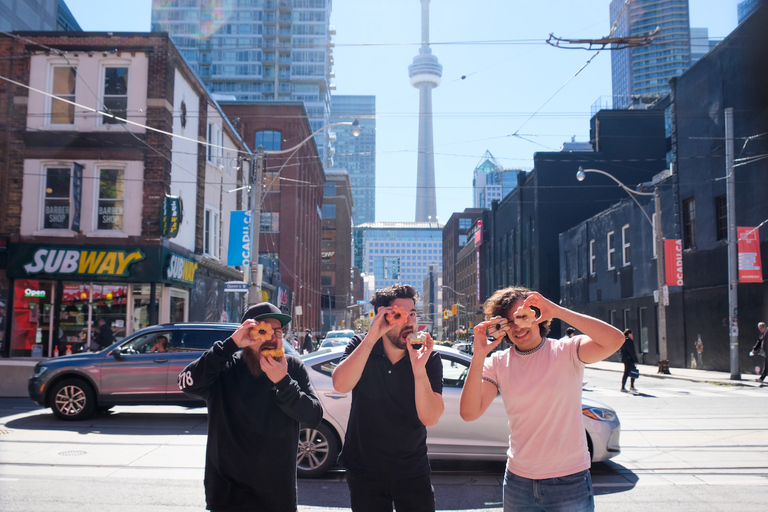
445, 315
470, 325
342, 324
371, 315
455, 309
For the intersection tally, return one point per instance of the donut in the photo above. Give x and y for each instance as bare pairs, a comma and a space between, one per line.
276, 353
262, 332
417, 338
398, 316
524, 317
498, 327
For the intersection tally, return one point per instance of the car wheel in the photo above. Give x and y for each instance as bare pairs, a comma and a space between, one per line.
318, 450
72, 399
590, 447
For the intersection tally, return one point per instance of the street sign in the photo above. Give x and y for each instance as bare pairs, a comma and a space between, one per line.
235, 287
362, 302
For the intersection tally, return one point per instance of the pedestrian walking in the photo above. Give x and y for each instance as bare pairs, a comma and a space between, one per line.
396, 393
629, 358
540, 381
308, 347
759, 349
256, 396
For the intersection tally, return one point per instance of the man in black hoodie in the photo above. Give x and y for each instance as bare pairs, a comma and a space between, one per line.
255, 404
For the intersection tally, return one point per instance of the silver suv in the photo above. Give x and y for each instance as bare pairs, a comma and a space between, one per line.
139, 370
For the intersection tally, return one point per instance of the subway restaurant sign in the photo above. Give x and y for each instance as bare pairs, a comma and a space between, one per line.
99, 263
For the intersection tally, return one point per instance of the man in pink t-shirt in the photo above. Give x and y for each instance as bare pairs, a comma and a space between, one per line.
540, 382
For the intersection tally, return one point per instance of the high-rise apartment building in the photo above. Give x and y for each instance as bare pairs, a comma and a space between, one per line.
36, 15
278, 50
357, 154
641, 74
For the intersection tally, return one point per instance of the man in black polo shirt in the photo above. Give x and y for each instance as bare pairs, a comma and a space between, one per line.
396, 393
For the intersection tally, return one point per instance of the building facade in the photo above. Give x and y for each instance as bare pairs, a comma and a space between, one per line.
457, 234
271, 50
291, 204
113, 198
432, 312
357, 154
335, 273
399, 252
640, 75
37, 15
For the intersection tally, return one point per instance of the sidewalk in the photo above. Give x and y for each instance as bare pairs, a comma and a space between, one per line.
646, 370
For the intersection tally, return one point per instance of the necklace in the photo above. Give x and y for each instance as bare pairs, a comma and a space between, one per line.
529, 352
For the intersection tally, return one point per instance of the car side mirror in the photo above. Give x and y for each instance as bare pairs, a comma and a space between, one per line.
116, 353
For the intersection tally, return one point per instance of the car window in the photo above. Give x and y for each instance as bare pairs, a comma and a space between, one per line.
143, 344
454, 372
327, 367
197, 339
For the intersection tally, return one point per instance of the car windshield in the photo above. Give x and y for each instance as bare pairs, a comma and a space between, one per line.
340, 334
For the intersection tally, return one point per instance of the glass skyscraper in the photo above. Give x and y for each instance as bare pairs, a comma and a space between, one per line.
641, 74
277, 50
357, 154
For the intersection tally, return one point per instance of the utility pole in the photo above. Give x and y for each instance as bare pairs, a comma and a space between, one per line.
254, 297
733, 271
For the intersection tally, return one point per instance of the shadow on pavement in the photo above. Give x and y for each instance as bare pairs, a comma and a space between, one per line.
121, 422
611, 478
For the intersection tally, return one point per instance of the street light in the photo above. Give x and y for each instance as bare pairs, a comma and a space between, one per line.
660, 273
255, 199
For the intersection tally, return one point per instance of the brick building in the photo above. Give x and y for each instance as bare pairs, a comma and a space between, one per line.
110, 205
336, 278
290, 220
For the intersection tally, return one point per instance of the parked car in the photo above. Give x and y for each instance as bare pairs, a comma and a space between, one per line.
127, 372
337, 338
452, 438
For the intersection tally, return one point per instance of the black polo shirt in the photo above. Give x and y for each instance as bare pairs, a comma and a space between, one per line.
385, 438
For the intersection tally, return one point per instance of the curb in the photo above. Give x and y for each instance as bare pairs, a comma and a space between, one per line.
719, 382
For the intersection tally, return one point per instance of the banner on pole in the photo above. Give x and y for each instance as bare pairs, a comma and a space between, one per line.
673, 262
239, 254
750, 263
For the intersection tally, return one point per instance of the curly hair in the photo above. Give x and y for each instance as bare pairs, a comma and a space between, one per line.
385, 296
502, 300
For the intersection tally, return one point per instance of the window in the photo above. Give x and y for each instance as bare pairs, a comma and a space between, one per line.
465, 223
64, 78
462, 240
211, 233
592, 258
215, 140
614, 318
115, 94
57, 198
653, 245
329, 189
627, 321
271, 140
386, 267
610, 240
111, 199
721, 213
269, 222
625, 244
689, 223
329, 211
271, 181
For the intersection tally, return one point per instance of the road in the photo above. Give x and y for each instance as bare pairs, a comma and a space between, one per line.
686, 446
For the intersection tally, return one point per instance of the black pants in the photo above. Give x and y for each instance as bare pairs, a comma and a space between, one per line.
765, 368
627, 368
377, 495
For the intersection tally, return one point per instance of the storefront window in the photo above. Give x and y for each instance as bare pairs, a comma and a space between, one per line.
179, 299
110, 302
32, 320
56, 215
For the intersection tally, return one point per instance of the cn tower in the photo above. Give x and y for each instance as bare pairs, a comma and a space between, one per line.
425, 73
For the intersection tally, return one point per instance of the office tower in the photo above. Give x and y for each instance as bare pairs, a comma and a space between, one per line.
491, 182
640, 75
274, 50
425, 73
399, 252
745, 8
357, 154
37, 15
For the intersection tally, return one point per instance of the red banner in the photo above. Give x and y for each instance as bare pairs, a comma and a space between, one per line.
673, 262
750, 269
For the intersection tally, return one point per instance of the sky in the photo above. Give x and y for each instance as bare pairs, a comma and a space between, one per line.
503, 88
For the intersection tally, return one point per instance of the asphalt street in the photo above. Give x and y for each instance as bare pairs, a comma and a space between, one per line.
687, 445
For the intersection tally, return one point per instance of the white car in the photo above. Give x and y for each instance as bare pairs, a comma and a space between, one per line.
337, 338
452, 438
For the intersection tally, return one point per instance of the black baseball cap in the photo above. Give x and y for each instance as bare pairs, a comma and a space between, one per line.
264, 310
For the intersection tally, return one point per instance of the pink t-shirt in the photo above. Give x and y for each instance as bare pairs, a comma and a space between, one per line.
542, 397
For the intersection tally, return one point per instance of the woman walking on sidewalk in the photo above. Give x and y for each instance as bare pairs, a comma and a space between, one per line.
760, 346
629, 358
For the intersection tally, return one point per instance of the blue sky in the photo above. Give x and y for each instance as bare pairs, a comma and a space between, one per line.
505, 82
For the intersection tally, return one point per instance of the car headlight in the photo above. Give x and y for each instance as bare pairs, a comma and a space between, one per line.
39, 371
596, 413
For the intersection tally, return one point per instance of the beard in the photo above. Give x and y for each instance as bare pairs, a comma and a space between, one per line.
396, 338
252, 358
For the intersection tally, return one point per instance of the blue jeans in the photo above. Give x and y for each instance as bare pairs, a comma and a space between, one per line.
378, 495
572, 493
